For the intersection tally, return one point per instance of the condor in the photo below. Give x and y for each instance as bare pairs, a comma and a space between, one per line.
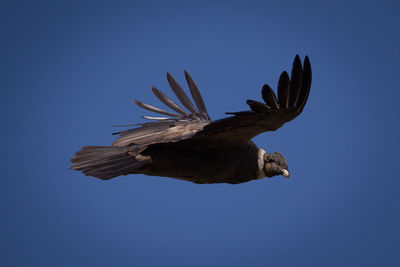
188, 145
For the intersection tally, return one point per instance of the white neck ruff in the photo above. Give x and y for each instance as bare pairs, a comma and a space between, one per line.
261, 173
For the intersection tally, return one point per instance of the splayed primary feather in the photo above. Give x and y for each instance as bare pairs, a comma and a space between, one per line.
169, 102
181, 94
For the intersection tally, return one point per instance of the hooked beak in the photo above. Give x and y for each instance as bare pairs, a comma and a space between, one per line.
285, 173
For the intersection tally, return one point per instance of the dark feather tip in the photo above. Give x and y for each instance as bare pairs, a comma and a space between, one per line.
283, 90
269, 97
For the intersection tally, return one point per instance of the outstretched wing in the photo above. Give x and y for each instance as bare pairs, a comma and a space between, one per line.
271, 115
243, 126
177, 126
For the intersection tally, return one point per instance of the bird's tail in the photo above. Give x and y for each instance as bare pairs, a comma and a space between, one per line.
106, 162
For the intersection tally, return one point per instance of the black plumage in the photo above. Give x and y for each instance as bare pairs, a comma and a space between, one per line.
188, 145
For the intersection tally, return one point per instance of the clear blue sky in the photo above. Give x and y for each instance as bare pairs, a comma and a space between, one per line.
70, 69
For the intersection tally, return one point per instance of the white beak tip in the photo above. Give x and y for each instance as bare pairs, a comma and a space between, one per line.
285, 173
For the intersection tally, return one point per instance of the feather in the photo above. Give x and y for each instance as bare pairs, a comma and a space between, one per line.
169, 102
283, 90
269, 97
181, 94
306, 84
161, 131
95, 150
123, 170
155, 118
154, 109
107, 162
295, 81
107, 165
258, 106
198, 99
94, 159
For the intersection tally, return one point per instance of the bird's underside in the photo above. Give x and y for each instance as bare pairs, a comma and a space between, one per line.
186, 144
201, 163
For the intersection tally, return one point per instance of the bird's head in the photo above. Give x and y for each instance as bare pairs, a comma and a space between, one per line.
275, 164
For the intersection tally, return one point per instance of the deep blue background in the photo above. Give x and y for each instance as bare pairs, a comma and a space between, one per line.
69, 70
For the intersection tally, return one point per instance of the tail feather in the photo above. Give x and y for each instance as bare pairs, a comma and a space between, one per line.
106, 162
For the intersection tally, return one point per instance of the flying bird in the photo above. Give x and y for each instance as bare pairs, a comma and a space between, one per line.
186, 144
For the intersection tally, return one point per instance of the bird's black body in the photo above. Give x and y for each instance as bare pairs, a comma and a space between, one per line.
201, 162
189, 146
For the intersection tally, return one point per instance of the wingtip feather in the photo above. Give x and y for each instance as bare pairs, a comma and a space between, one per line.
306, 84
283, 90
155, 109
196, 95
269, 97
181, 94
168, 102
